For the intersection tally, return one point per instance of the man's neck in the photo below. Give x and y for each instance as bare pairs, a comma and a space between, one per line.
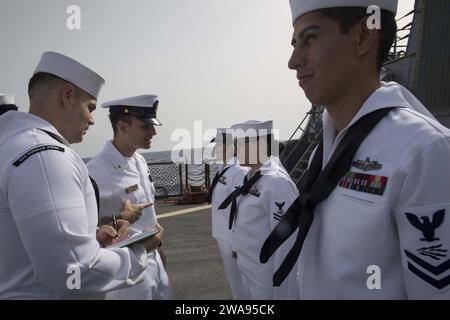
347, 106
52, 118
123, 148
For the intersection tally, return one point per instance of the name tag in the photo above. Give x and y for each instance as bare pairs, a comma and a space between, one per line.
132, 188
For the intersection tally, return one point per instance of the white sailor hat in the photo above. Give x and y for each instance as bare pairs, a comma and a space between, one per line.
143, 107
72, 71
252, 128
300, 7
224, 135
6, 99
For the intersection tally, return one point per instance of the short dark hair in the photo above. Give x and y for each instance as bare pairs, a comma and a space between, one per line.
115, 117
43, 78
347, 17
39, 79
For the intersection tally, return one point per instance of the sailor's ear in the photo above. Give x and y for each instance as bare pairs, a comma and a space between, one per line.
366, 39
67, 94
123, 126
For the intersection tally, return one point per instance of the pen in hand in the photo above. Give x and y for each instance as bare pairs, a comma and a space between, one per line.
115, 225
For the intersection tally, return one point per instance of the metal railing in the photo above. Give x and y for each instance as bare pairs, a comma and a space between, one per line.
400, 46
175, 179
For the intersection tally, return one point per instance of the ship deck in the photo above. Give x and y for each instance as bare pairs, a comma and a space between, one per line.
194, 265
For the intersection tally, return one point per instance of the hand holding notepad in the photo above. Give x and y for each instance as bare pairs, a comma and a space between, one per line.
150, 238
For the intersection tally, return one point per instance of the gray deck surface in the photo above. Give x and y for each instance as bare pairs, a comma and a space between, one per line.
194, 264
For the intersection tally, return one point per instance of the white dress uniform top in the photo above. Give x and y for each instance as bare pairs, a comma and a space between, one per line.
7, 103
231, 175
399, 226
48, 220
258, 213
384, 231
119, 178
48, 214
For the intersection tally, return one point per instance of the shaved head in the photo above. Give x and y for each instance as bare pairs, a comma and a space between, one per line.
42, 83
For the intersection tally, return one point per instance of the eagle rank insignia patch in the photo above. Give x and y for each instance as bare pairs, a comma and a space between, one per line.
280, 212
428, 260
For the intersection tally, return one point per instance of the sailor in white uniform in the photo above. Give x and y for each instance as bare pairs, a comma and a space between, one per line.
48, 214
229, 175
374, 207
260, 202
122, 174
7, 103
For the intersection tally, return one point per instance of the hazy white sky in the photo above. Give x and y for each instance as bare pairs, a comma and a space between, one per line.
218, 61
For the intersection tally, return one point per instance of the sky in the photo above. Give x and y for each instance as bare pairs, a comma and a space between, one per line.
212, 63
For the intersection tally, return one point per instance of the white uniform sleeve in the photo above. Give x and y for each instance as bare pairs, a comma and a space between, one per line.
46, 195
109, 203
423, 219
281, 195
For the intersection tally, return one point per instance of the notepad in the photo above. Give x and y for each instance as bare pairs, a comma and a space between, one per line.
135, 239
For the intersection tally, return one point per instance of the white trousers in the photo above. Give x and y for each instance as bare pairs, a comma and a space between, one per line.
232, 270
257, 292
254, 290
156, 284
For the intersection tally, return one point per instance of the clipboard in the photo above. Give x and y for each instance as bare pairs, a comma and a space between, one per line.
134, 239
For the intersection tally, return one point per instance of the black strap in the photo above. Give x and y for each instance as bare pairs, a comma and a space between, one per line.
41, 148
317, 186
97, 193
35, 150
214, 183
54, 136
242, 190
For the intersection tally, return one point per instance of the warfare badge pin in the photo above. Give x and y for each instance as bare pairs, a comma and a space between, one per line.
367, 165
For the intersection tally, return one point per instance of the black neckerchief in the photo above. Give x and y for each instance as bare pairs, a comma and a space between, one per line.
214, 183
242, 190
316, 187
